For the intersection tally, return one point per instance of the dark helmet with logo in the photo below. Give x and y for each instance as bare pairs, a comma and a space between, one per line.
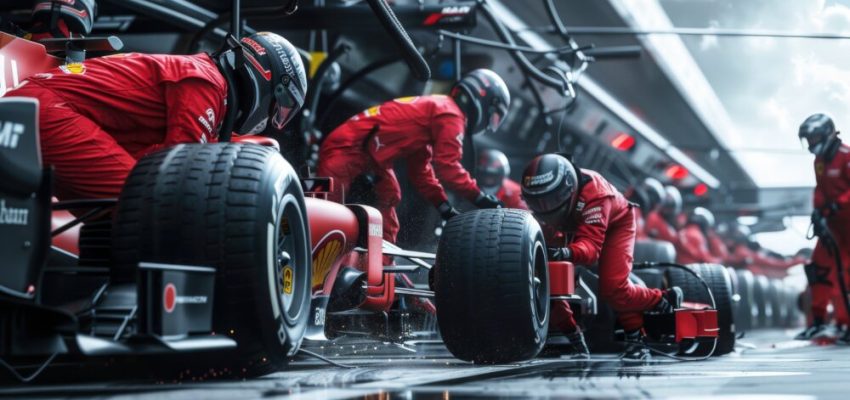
671, 204
820, 135
484, 98
702, 218
269, 79
493, 168
77, 16
550, 187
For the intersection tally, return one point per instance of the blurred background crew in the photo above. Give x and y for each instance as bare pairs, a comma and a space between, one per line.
422, 130
493, 172
716, 246
693, 242
661, 222
648, 195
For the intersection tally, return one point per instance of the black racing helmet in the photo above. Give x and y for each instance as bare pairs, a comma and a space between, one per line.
702, 218
493, 168
653, 191
484, 98
671, 205
550, 187
77, 15
272, 83
819, 132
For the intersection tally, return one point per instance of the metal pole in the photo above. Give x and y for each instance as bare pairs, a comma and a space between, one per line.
236, 19
456, 51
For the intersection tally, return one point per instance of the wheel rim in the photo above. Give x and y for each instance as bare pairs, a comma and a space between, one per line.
539, 284
292, 259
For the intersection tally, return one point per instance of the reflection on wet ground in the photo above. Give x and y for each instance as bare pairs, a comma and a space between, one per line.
767, 365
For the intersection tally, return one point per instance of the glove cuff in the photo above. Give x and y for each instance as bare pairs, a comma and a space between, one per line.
444, 207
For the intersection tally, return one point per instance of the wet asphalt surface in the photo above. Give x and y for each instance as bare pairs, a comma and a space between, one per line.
766, 364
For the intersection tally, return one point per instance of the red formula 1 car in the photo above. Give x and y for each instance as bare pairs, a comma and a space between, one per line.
215, 249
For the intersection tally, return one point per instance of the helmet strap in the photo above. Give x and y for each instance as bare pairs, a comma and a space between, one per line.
228, 70
473, 122
55, 9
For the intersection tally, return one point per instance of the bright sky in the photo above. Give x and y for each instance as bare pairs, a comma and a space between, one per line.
768, 86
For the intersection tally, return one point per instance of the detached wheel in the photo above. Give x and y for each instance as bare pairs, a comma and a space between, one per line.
761, 289
491, 283
792, 318
776, 295
649, 250
720, 284
747, 310
238, 208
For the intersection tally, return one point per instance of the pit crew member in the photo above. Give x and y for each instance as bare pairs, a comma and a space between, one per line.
98, 117
661, 222
831, 197
694, 245
493, 171
587, 221
421, 130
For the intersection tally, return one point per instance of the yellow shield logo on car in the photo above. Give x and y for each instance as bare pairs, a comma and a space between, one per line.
287, 279
73, 68
325, 256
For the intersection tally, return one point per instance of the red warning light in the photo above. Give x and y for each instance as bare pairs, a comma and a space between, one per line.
623, 142
676, 172
700, 189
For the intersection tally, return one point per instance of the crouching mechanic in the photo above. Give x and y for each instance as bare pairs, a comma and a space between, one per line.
600, 226
493, 171
97, 118
421, 130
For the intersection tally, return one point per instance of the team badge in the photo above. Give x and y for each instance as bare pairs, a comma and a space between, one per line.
73, 68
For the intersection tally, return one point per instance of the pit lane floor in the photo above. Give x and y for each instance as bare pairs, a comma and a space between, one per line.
768, 364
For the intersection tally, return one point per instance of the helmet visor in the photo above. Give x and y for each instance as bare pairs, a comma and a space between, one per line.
814, 143
554, 217
496, 118
288, 100
546, 204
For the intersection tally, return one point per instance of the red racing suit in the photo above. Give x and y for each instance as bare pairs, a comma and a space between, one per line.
602, 231
511, 195
693, 246
717, 247
421, 130
833, 186
658, 228
823, 283
640, 225
97, 118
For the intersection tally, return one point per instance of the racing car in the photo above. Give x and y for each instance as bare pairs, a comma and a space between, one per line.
222, 249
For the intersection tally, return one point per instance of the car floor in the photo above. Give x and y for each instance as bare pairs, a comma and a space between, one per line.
767, 363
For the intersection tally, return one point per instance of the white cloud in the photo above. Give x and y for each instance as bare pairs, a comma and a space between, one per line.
709, 42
